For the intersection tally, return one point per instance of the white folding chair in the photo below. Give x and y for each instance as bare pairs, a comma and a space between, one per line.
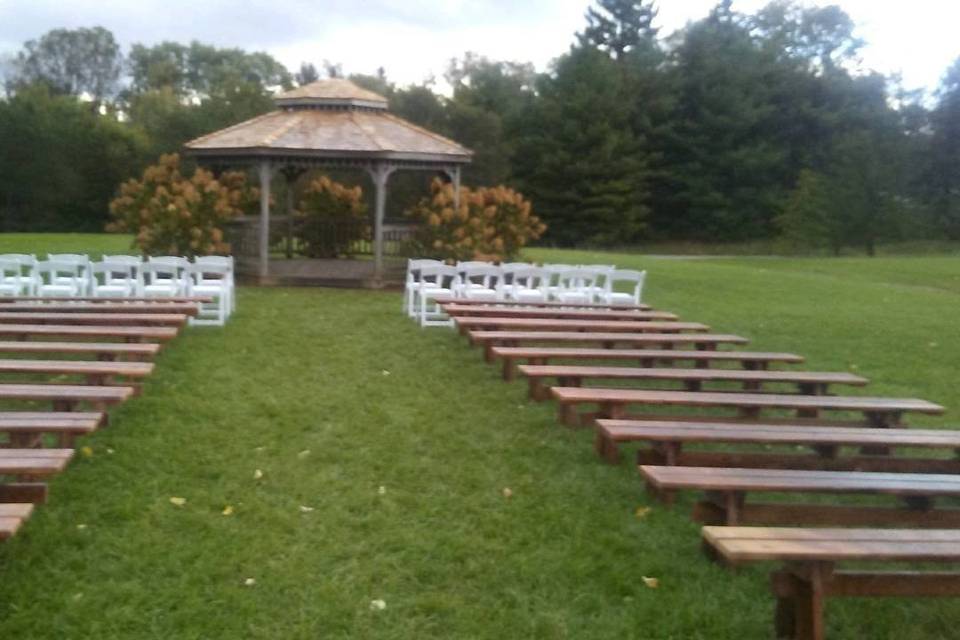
80, 265
11, 278
553, 271
479, 282
135, 264
227, 263
412, 281
575, 286
114, 279
26, 278
599, 285
528, 285
436, 281
210, 278
60, 279
506, 273
164, 276
632, 278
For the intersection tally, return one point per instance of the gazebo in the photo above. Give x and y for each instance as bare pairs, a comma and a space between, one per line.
326, 124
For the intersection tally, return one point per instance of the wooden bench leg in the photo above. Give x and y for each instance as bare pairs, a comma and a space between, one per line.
509, 370
881, 420
567, 414
606, 448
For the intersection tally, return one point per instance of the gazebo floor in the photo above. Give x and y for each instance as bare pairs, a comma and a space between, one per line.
341, 273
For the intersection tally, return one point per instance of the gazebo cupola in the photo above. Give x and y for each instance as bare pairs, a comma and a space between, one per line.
330, 123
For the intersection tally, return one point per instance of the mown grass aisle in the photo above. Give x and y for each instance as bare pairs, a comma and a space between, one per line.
332, 395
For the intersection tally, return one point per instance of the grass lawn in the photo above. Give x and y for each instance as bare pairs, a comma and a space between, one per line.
384, 451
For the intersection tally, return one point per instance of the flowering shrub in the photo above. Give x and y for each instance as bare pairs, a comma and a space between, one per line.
178, 215
491, 223
330, 219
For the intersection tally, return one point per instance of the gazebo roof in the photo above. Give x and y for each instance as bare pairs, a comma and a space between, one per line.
329, 120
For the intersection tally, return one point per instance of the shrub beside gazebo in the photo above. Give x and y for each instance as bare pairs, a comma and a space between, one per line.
328, 124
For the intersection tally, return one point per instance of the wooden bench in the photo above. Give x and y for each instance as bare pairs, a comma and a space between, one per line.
726, 491
103, 307
66, 397
552, 304
807, 382
93, 372
810, 576
12, 515
130, 334
105, 351
700, 341
477, 311
27, 428
879, 412
109, 299
32, 464
647, 358
669, 437
546, 324
112, 319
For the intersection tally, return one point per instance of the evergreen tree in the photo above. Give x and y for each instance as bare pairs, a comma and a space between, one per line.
944, 176
619, 27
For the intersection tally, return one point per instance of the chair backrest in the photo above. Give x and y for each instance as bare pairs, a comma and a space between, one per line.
637, 278
577, 279
10, 268
199, 272
76, 262
58, 269
439, 275
486, 276
414, 265
25, 259
469, 264
115, 270
209, 261
133, 261
531, 278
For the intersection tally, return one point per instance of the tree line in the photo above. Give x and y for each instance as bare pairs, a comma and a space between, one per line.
737, 127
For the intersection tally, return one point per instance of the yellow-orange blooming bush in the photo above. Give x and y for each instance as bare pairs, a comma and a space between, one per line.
174, 214
491, 223
331, 218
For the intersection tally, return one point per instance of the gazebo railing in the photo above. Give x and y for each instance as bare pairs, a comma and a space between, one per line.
298, 237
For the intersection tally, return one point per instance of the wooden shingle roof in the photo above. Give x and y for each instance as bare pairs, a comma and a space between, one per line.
332, 119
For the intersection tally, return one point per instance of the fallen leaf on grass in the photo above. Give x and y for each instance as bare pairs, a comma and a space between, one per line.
305, 509
507, 492
303, 454
385, 372
177, 501
642, 512
382, 490
81, 526
249, 582
652, 583
377, 605
86, 451
227, 510
109, 450
257, 474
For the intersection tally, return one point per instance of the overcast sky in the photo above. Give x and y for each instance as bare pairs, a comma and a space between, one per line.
414, 39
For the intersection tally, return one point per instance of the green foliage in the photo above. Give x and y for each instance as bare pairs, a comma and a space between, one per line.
174, 214
807, 220
60, 162
944, 173
620, 27
331, 218
72, 62
488, 223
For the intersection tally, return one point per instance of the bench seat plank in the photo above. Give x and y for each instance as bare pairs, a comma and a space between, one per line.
569, 375
550, 304
457, 310
78, 367
704, 341
83, 331
34, 462
647, 357
108, 299
103, 307
12, 515
667, 438
547, 324
111, 319
884, 411
100, 349
66, 393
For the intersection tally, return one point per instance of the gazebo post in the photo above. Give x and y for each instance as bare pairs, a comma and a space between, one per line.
379, 173
264, 218
455, 174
